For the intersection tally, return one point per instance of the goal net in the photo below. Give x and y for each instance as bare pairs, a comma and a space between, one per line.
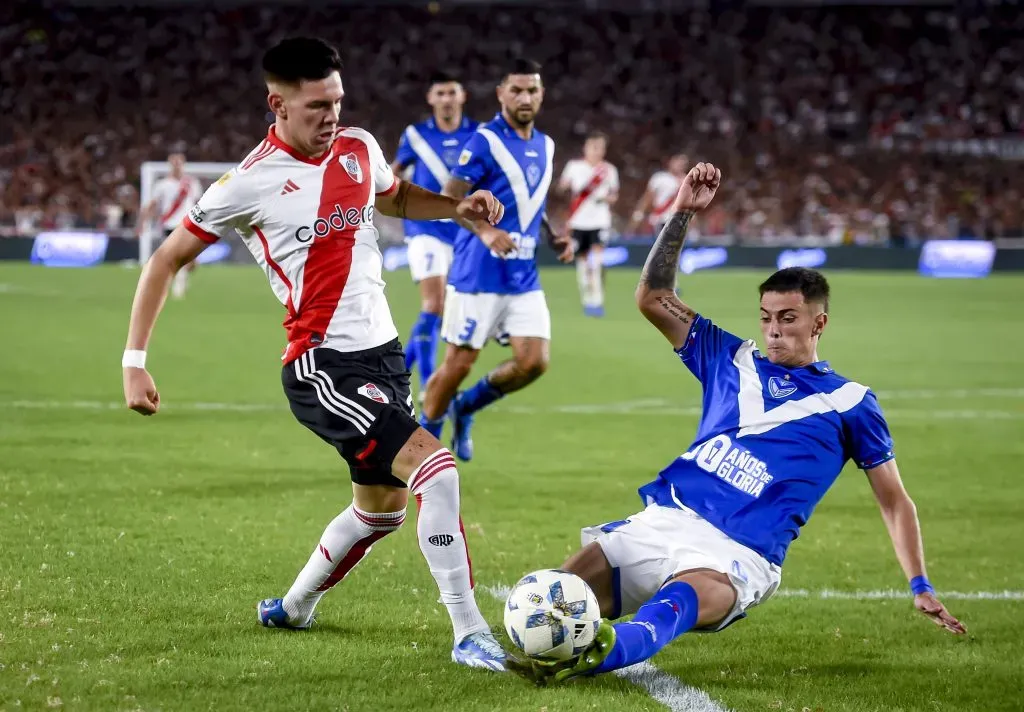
152, 171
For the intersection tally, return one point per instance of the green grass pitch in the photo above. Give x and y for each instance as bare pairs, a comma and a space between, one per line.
133, 551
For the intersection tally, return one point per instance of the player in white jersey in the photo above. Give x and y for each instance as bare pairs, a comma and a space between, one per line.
594, 186
173, 196
655, 206
303, 203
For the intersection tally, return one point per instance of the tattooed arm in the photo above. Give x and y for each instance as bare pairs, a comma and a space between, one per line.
656, 295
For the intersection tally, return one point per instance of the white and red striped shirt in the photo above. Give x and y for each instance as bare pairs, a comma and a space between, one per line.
663, 186
174, 198
309, 224
590, 185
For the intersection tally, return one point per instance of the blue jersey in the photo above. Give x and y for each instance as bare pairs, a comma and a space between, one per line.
518, 172
432, 153
771, 441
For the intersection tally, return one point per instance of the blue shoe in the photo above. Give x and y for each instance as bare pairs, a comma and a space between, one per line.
271, 614
462, 426
596, 312
480, 650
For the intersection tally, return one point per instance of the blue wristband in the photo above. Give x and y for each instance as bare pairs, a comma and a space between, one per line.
921, 584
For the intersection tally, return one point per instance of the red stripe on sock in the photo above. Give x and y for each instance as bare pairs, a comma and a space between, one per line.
379, 521
469, 561
327, 554
353, 557
432, 467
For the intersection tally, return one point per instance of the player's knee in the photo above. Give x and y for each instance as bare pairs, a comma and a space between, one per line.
533, 366
459, 363
382, 499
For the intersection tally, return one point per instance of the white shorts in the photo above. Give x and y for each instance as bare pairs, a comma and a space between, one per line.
429, 257
651, 547
471, 319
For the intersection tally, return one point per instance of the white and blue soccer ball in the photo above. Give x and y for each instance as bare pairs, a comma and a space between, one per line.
552, 615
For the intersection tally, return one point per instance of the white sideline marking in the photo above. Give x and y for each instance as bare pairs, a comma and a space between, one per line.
648, 406
894, 594
501, 593
665, 688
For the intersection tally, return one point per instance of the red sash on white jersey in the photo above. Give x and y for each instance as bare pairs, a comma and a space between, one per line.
183, 191
600, 173
658, 211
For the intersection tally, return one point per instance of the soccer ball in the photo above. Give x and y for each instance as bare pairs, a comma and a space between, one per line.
552, 615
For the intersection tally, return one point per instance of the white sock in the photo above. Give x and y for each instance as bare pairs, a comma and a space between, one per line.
443, 542
344, 543
596, 288
583, 281
179, 284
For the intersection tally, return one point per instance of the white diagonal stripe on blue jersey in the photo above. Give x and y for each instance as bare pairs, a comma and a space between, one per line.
526, 205
427, 155
754, 420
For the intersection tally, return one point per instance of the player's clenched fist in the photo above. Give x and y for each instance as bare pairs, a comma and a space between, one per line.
698, 188
140, 392
481, 205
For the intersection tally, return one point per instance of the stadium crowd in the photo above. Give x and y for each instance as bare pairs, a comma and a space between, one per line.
869, 125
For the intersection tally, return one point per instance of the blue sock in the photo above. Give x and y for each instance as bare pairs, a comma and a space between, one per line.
430, 327
434, 427
478, 397
423, 344
671, 612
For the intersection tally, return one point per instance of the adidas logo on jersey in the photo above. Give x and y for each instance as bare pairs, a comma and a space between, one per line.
289, 187
339, 220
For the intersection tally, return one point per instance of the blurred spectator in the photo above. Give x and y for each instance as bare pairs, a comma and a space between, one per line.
863, 125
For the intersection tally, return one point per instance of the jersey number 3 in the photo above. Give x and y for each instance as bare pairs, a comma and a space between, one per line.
468, 330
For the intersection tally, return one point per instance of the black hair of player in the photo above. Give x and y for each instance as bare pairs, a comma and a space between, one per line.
594, 135
298, 59
809, 282
520, 65
442, 77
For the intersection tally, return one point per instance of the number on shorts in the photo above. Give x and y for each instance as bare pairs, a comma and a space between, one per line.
430, 261
468, 330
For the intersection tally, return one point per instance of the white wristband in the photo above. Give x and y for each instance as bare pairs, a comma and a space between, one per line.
133, 358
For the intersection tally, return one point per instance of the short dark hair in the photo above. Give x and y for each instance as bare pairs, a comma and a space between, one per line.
809, 282
520, 65
597, 134
295, 59
442, 77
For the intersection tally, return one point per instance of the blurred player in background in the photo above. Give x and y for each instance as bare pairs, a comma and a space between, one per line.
303, 203
173, 196
655, 205
494, 289
594, 186
776, 430
432, 148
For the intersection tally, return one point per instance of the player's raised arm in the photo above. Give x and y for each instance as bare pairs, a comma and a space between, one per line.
900, 516
179, 249
656, 295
